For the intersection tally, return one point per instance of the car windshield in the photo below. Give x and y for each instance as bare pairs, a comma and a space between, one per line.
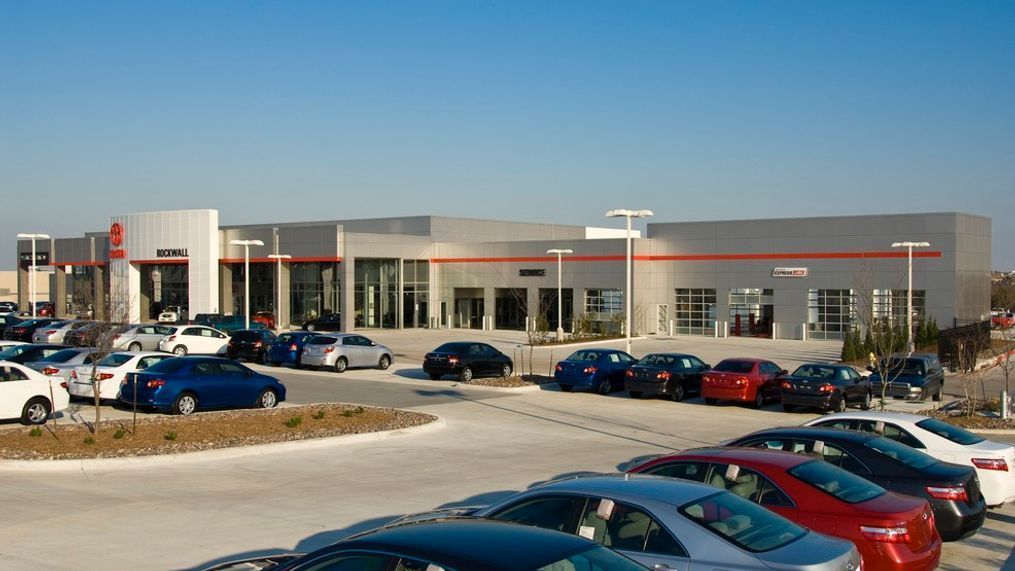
246, 336
904, 366
742, 522
595, 558
11, 352
166, 366
61, 356
814, 372
733, 366
321, 340
656, 361
908, 456
950, 432
115, 359
587, 356
833, 480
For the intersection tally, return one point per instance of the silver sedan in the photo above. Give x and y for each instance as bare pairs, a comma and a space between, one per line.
672, 524
339, 351
141, 337
63, 362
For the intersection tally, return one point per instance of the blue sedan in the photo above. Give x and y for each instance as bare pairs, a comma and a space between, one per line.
601, 370
287, 348
184, 384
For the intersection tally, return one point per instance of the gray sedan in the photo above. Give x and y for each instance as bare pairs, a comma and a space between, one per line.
339, 351
63, 362
672, 524
141, 337
55, 332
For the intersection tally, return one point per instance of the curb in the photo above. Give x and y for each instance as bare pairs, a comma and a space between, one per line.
216, 454
992, 430
523, 389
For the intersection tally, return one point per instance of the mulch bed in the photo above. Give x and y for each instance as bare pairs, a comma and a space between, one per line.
985, 417
202, 431
513, 382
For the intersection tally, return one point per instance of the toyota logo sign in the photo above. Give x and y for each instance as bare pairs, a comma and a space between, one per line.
116, 234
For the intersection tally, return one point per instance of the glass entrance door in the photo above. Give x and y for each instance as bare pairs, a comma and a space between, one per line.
752, 312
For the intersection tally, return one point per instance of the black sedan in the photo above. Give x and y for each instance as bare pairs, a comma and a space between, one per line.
91, 334
673, 374
952, 490
7, 321
329, 322
462, 544
250, 344
30, 352
466, 360
24, 330
826, 387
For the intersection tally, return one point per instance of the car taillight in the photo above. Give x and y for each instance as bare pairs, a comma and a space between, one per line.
293, 347
50, 371
453, 360
558, 368
826, 388
50, 332
258, 344
329, 349
663, 375
629, 373
104, 376
63, 384
742, 382
786, 386
954, 493
589, 370
155, 383
171, 337
898, 534
991, 464
115, 337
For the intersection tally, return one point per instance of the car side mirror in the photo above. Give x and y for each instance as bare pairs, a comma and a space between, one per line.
870, 368
250, 373
784, 372
706, 367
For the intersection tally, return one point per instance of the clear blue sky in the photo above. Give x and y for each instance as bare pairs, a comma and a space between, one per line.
545, 111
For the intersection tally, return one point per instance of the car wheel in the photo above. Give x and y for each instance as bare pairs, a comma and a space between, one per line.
866, 403
180, 350
788, 407
135, 346
185, 404
268, 399
36, 411
709, 400
565, 388
466, 374
604, 387
506, 370
841, 405
939, 393
678, 393
634, 394
341, 364
434, 376
384, 363
759, 398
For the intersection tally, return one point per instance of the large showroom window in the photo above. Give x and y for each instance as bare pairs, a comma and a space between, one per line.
604, 308
752, 312
696, 311
81, 292
415, 293
830, 313
262, 287
376, 293
314, 290
163, 285
891, 304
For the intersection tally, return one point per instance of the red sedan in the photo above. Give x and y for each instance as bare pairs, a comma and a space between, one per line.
891, 531
743, 380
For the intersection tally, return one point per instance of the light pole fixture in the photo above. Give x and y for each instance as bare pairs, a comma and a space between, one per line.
629, 214
909, 290
560, 302
32, 269
278, 284
246, 276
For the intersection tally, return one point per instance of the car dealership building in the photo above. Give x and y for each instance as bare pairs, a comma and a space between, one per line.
801, 278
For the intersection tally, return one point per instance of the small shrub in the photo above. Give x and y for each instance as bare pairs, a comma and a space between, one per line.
347, 413
319, 415
360, 410
89, 440
35, 432
170, 436
294, 421
120, 433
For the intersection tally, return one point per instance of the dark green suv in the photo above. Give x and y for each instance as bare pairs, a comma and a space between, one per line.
915, 377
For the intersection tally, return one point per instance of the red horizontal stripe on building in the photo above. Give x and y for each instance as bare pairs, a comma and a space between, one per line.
286, 260
695, 257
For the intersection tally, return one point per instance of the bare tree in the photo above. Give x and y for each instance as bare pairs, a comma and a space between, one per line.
1004, 358
117, 311
881, 334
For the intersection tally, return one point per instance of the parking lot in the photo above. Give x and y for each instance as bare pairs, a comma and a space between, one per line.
495, 441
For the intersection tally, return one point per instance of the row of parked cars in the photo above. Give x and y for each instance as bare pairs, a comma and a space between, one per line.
838, 493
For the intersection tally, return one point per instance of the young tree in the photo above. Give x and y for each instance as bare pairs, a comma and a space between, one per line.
882, 335
118, 316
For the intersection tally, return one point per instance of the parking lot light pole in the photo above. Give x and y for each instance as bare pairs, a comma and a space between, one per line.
909, 291
629, 214
278, 284
246, 276
560, 302
33, 268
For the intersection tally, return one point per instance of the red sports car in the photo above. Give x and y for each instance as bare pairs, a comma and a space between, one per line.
891, 531
744, 380
265, 318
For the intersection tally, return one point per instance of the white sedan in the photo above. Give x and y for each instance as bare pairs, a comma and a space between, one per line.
194, 339
29, 395
994, 462
110, 372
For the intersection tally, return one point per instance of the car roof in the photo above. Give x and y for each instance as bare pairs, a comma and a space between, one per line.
675, 355
777, 458
142, 353
634, 486
747, 359
472, 543
825, 432
875, 415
